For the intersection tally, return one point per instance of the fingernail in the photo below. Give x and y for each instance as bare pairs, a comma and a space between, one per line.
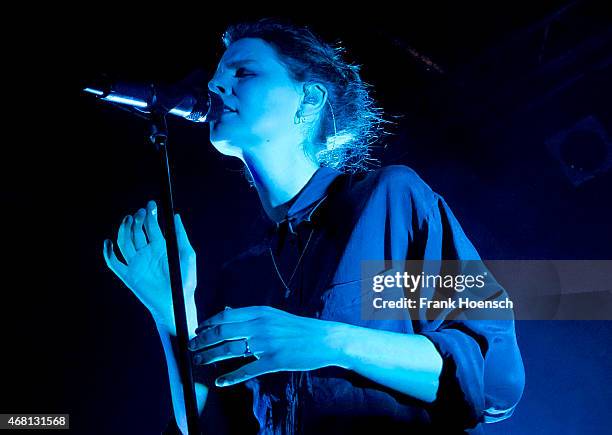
151, 206
227, 308
220, 382
197, 359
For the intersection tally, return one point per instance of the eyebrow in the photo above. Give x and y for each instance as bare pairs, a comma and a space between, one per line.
239, 62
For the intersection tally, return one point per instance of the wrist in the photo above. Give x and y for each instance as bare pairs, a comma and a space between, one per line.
165, 328
338, 341
167, 325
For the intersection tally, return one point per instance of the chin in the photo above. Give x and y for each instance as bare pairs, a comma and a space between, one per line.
225, 147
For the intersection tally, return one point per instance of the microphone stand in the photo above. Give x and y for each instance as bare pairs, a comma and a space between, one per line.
159, 137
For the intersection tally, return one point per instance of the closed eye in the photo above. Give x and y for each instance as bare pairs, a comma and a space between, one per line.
243, 72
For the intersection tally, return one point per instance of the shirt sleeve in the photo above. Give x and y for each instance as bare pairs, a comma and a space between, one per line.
482, 377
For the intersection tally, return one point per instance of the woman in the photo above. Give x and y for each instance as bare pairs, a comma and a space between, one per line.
301, 120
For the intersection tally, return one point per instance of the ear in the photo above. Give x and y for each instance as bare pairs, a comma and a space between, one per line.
315, 97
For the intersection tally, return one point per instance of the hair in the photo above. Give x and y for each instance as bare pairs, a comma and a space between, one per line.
350, 123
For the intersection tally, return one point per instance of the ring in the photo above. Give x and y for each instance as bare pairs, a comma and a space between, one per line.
247, 350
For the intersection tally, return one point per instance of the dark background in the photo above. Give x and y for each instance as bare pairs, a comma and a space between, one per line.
504, 109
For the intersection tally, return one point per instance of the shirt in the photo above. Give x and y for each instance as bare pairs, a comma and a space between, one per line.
336, 221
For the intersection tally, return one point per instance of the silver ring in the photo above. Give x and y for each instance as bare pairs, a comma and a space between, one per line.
247, 349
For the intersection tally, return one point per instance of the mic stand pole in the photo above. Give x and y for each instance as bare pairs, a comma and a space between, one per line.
159, 137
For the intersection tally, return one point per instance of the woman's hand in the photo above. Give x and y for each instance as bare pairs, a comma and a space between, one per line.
280, 341
145, 270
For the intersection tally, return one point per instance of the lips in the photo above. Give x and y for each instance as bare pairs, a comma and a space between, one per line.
227, 109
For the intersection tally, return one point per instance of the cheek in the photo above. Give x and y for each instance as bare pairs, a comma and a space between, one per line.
276, 107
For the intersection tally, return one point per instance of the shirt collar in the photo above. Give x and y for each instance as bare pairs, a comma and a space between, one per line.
308, 200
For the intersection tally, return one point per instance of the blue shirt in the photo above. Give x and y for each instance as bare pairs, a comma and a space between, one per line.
340, 220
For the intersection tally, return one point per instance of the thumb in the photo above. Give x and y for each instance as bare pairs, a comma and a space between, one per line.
181, 234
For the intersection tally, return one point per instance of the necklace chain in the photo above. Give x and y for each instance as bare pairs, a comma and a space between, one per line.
286, 284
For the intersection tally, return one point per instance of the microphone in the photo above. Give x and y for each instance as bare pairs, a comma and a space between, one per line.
185, 99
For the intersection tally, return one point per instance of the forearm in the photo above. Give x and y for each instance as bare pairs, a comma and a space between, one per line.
168, 339
407, 363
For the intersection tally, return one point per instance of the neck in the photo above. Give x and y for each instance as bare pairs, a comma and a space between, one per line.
278, 178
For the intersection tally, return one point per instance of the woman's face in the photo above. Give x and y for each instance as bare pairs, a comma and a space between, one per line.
261, 99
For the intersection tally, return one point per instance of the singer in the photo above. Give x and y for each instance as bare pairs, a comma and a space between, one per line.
283, 349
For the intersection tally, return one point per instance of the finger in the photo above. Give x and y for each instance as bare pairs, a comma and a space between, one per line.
181, 234
138, 235
124, 239
230, 315
151, 224
227, 350
222, 332
244, 373
112, 261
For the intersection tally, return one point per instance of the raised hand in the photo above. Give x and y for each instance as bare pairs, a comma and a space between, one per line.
145, 270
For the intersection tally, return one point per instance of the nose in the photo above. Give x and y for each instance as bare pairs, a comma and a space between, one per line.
215, 85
